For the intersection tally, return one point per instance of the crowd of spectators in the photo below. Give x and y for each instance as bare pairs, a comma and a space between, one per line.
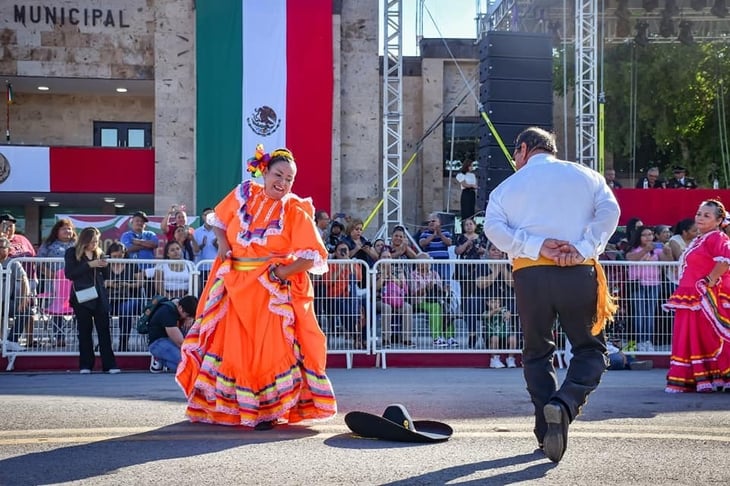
474, 291
478, 293
40, 291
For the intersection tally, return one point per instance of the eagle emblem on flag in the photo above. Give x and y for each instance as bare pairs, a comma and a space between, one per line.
264, 121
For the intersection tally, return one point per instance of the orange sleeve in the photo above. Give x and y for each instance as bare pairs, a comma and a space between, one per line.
306, 241
228, 207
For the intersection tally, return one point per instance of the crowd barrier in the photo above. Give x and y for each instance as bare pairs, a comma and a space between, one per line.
390, 308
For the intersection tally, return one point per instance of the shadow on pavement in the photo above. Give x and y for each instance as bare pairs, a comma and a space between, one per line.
97, 459
457, 473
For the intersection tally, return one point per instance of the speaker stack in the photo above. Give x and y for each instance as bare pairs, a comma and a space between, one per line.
516, 76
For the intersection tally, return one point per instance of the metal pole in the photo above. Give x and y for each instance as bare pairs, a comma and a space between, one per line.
451, 161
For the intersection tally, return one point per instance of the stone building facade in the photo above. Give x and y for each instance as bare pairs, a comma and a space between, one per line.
85, 49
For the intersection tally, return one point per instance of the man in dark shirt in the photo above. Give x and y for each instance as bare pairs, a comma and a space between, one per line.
680, 180
652, 180
168, 326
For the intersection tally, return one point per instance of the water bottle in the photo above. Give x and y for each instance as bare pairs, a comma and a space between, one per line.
646, 183
716, 184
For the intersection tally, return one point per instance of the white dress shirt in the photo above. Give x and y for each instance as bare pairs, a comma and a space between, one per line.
551, 198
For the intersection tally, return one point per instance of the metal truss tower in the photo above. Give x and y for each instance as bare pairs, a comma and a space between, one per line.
392, 115
586, 89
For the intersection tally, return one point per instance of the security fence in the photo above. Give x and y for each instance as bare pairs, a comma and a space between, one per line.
398, 306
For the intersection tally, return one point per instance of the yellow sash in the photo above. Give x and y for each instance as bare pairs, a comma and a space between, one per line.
606, 305
247, 264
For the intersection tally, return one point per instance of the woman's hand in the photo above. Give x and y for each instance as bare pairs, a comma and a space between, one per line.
98, 263
224, 249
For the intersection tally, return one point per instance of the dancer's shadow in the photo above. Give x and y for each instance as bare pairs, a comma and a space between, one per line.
445, 476
95, 459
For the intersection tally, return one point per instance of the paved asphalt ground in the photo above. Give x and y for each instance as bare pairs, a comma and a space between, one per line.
64, 428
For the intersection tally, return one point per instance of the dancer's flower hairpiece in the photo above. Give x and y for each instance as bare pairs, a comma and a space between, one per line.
258, 163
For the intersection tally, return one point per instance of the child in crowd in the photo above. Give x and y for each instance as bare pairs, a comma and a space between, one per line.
498, 323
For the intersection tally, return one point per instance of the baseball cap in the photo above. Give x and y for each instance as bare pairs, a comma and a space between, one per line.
141, 214
8, 217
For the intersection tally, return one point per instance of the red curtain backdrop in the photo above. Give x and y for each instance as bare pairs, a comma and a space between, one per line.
665, 206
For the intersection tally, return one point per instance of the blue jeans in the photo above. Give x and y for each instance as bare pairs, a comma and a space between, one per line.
648, 296
166, 352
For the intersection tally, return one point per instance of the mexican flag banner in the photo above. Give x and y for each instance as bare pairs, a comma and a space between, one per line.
264, 75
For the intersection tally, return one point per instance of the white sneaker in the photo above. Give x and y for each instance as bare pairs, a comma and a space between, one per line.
85, 372
155, 365
114, 371
511, 362
453, 342
648, 347
496, 362
440, 342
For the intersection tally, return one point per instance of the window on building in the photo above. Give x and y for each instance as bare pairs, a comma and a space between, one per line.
122, 134
465, 136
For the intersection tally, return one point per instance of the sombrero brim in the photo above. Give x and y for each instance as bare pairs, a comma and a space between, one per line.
375, 427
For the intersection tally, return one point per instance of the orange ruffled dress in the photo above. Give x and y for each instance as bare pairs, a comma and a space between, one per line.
256, 352
701, 339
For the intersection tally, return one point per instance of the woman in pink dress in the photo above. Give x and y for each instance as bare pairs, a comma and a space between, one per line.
701, 340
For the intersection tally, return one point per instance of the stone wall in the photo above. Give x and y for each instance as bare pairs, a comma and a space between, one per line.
174, 121
48, 119
67, 38
360, 119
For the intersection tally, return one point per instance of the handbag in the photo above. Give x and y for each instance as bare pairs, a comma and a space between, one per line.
86, 295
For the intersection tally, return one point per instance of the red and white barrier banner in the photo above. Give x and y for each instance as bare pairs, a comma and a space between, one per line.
24, 169
108, 170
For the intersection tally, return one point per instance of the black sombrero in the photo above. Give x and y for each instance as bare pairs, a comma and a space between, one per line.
396, 425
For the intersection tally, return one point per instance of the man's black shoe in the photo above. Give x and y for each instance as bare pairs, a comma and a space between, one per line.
556, 438
268, 425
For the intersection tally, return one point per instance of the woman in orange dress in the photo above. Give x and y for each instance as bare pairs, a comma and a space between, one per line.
256, 354
701, 337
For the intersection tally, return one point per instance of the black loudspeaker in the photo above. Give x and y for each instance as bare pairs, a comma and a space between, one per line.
516, 74
501, 43
524, 91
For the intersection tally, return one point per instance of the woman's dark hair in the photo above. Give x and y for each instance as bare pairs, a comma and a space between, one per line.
464, 221
683, 225
167, 248
466, 166
53, 235
117, 246
635, 240
282, 155
189, 304
631, 227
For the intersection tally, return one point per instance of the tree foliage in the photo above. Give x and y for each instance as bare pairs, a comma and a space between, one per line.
676, 103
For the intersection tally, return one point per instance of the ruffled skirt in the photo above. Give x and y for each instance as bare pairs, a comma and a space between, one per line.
255, 353
700, 358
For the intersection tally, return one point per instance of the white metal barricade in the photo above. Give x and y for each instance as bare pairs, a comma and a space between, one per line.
360, 309
45, 324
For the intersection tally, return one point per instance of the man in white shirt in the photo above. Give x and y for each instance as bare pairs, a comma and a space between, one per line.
553, 218
206, 240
